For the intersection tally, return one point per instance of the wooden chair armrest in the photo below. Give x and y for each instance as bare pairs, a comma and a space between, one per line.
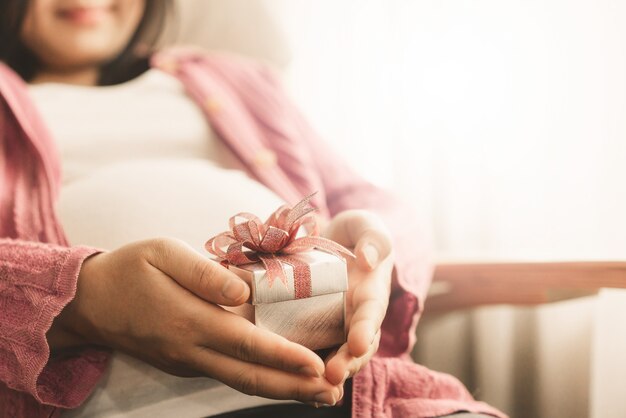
461, 286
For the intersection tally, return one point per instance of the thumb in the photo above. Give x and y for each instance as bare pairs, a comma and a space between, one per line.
364, 231
205, 278
373, 247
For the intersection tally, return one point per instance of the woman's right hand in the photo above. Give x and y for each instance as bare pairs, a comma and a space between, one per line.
158, 300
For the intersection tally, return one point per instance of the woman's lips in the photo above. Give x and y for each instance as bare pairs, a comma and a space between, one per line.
85, 16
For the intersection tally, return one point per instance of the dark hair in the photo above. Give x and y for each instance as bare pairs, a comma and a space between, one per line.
131, 62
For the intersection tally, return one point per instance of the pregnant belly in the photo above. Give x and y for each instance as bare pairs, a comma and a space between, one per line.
187, 199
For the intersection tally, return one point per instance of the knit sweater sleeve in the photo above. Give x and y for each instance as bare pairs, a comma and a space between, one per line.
37, 281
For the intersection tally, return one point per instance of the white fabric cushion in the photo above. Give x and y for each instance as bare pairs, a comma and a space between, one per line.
251, 28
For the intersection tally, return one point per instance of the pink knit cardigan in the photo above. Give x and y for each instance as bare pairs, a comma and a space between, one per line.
250, 112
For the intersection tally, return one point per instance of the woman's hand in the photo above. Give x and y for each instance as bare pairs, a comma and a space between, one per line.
369, 283
158, 300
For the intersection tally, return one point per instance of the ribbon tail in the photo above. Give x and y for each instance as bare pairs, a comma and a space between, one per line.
319, 243
274, 269
215, 244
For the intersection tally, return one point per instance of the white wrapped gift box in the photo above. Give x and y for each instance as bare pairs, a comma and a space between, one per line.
315, 322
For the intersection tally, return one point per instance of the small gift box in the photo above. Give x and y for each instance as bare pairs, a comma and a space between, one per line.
298, 279
316, 321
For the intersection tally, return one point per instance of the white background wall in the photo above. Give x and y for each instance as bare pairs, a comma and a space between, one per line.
503, 121
515, 107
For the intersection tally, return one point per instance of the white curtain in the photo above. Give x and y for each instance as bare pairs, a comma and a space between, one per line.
504, 123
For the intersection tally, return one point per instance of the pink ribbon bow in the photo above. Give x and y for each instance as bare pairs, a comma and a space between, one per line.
273, 243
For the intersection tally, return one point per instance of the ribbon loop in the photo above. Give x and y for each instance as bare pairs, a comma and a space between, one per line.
274, 241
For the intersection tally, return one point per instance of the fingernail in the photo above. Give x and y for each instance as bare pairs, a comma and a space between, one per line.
340, 393
233, 289
325, 398
371, 255
309, 371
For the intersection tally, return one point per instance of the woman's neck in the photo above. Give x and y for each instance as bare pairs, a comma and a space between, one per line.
84, 77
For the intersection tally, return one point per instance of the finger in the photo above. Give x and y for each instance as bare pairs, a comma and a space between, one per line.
373, 247
363, 331
259, 380
342, 365
206, 278
236, 337
348, 226
369, 300
337, 373
366, 232
329, 357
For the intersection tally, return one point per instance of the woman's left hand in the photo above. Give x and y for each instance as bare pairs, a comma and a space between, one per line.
369, 283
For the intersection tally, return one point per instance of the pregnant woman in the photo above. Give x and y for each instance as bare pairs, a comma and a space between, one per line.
98, 317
